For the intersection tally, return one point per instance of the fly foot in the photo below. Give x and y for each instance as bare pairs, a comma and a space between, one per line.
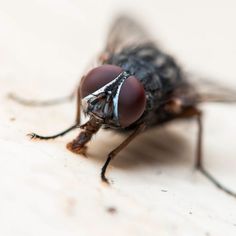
82, 150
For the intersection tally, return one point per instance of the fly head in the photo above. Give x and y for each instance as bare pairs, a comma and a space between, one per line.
113, 96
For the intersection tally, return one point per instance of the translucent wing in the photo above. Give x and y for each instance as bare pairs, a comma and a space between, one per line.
125, 32
210, 91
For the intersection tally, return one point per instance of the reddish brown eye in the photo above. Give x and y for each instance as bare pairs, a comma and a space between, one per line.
132, 101
98, 77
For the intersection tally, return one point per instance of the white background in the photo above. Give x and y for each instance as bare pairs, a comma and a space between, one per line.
46, 190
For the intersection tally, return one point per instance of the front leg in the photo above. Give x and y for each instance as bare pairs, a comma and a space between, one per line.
37, 136
74, 126
78, 145
113, 153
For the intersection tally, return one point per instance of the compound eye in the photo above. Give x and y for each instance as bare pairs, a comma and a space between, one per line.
98, 77
131, 102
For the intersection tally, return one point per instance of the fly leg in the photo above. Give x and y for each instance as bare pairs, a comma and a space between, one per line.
178, 105
192, 111
36, 136
199, 160
78, 145
75, 126
113, 153
35, 103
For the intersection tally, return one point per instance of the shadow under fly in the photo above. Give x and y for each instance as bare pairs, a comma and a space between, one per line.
135, 87
161, 146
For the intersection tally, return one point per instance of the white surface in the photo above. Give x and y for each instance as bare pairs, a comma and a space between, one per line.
46, 190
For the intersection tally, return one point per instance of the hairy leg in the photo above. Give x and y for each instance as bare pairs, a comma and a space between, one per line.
113, 153
184, 107
75, 126
78, 145
36, 136
51, 102
199, 160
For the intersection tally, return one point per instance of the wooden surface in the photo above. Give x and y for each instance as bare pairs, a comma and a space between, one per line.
46, 190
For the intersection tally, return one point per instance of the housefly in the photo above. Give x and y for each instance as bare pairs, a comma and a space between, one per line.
136, 86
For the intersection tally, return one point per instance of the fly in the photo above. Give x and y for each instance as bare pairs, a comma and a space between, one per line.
135, 87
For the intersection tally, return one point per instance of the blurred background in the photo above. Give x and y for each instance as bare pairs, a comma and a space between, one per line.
45, 46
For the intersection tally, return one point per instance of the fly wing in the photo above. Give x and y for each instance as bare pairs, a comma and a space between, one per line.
125, 32
210, 91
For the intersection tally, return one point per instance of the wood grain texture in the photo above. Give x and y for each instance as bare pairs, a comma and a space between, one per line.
46, 190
